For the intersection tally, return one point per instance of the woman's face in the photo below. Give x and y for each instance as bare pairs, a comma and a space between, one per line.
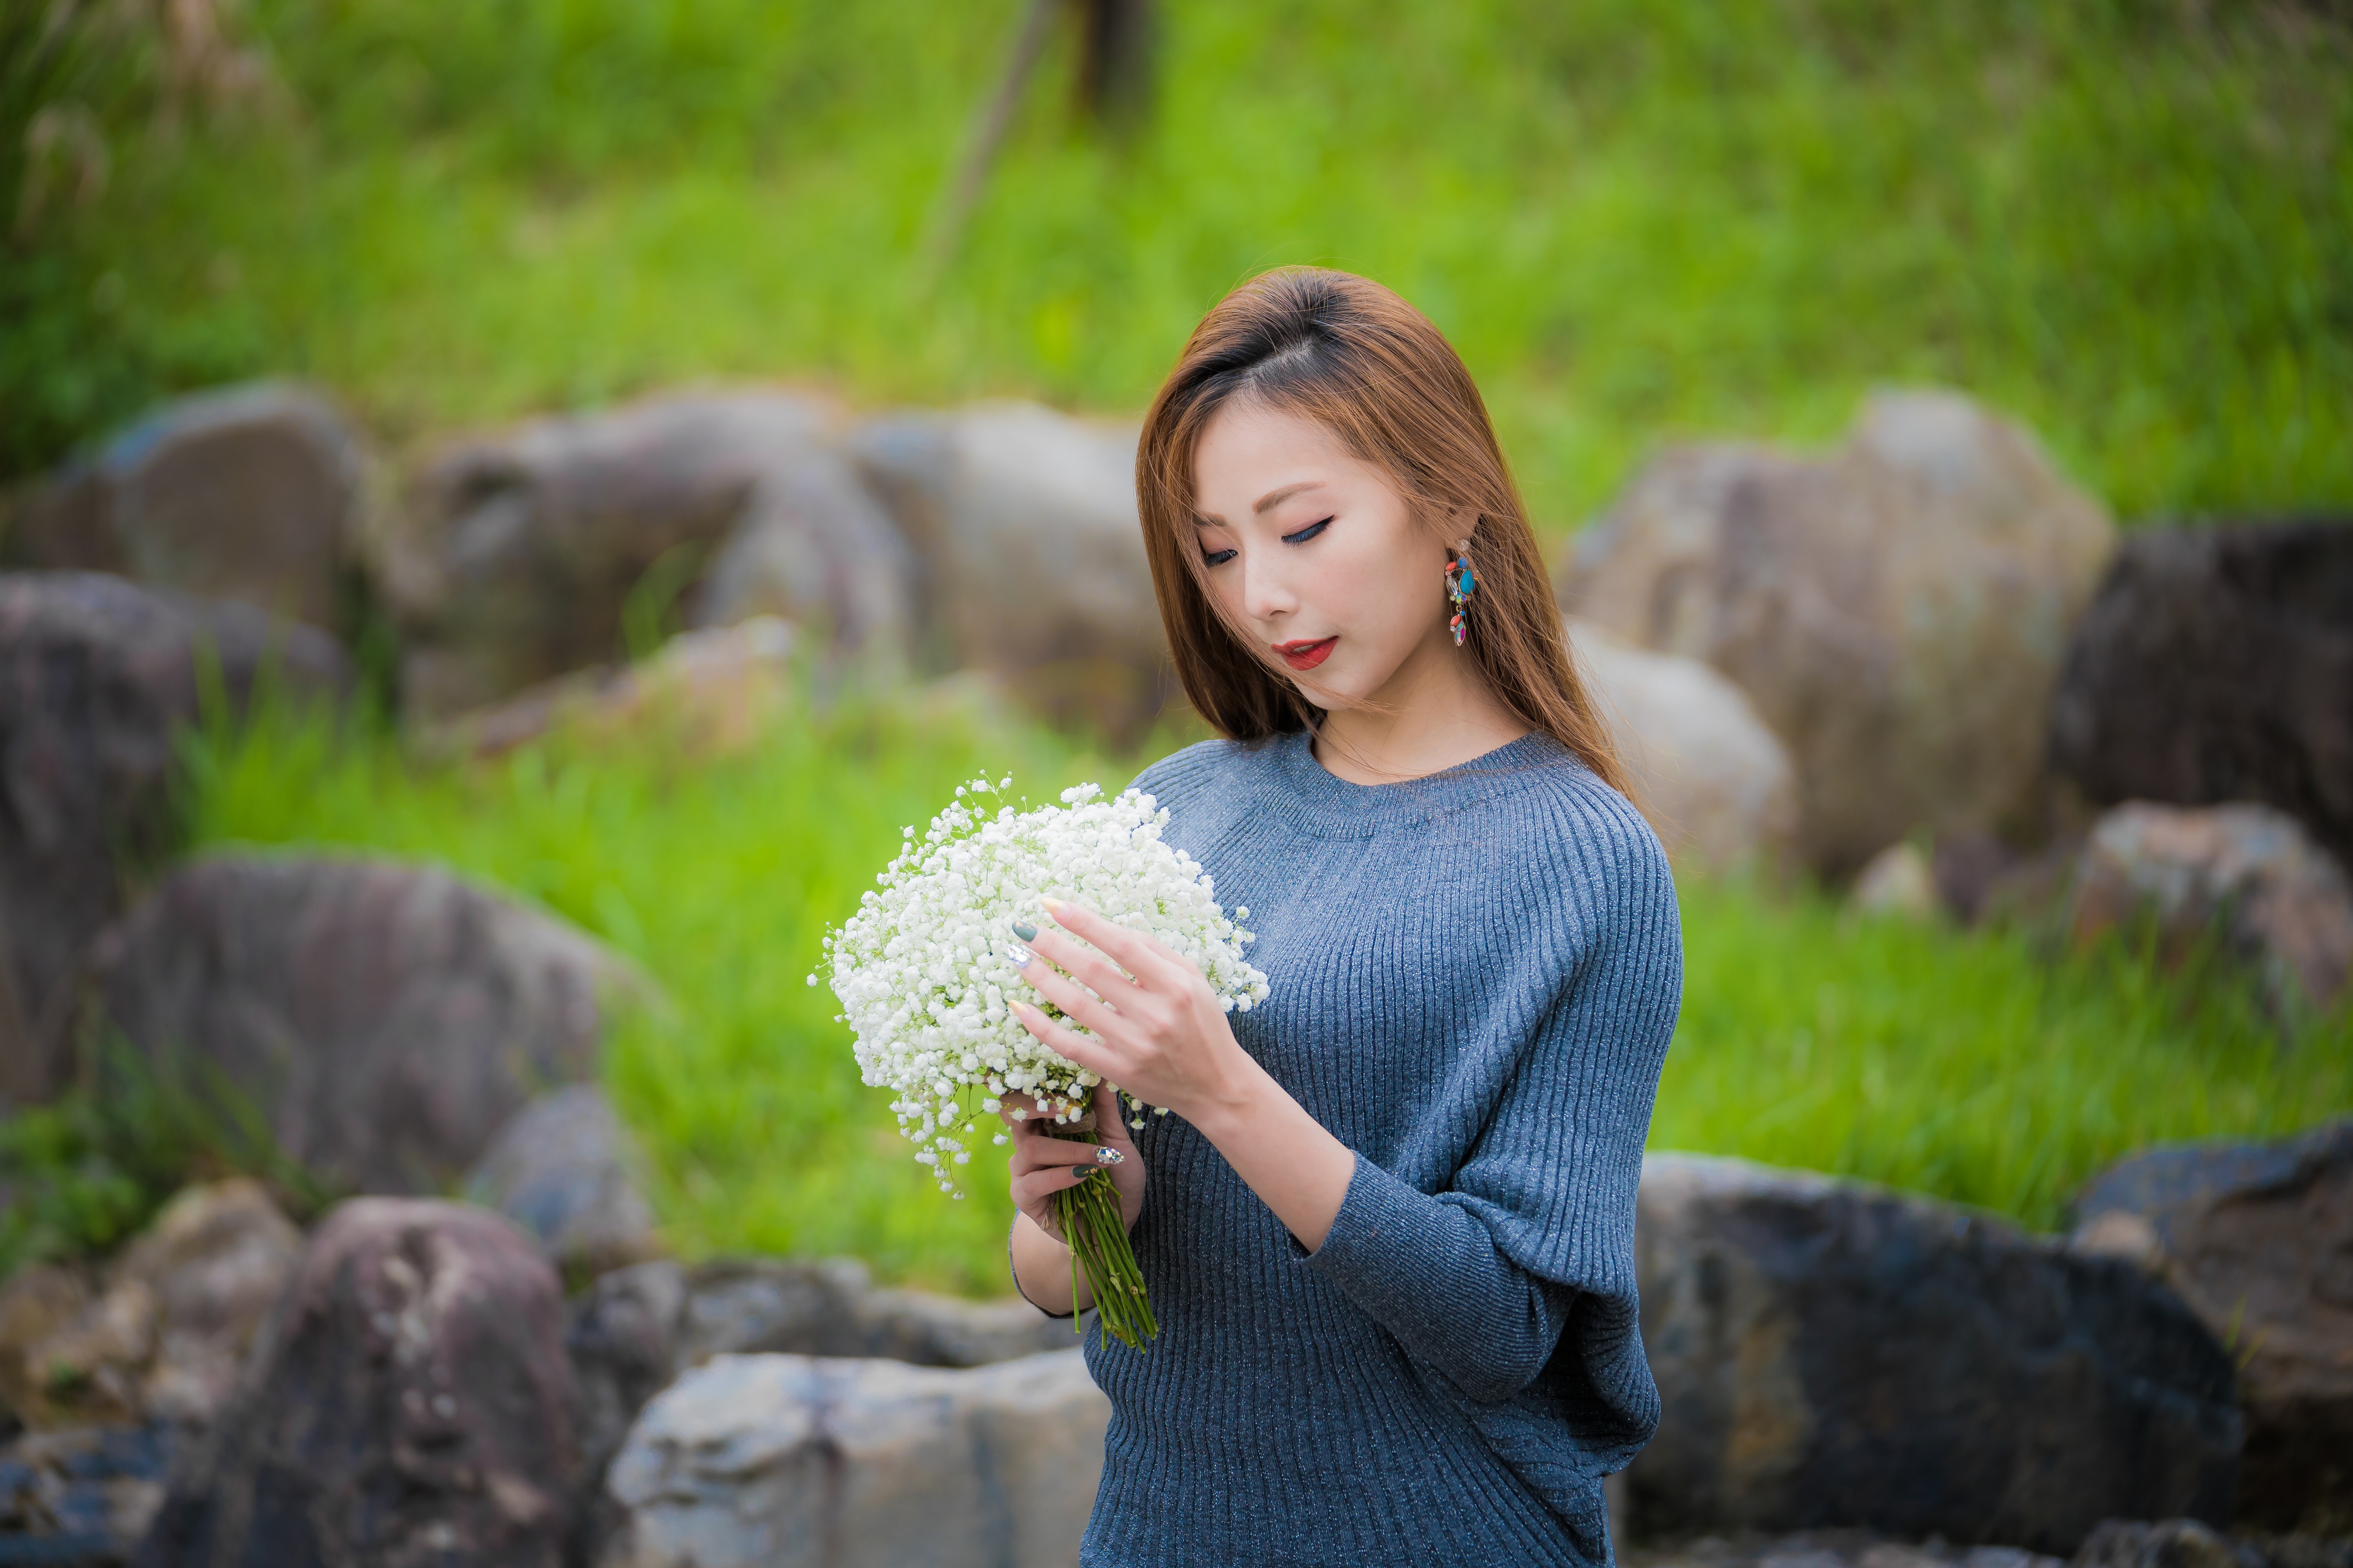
1315, 553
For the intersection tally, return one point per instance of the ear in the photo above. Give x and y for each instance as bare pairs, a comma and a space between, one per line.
1460, 523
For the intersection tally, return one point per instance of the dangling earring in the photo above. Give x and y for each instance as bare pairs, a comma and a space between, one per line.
1459, 587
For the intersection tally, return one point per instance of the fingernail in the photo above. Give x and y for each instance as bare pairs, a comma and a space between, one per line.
1019, 955
1051, 905
1025, 931
1082, 1172
1109, 1157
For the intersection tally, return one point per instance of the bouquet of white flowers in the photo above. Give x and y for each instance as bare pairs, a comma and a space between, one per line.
923, 969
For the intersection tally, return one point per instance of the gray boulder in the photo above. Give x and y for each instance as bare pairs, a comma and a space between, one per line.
1714, 783
523, 552
1831, 1353
2165, 1543
2258, 1239
1900, 880
383, 1020
1897, 612
1033, 557
161, 1333
566, 1169
1831, 1549
2216, 664
706, 694
98, 678
621, 1336
252, 494
410, 1404
770, 1461
2247, 873
829, 1308
634, 1330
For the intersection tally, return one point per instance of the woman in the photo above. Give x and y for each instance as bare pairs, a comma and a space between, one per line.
1388, 1228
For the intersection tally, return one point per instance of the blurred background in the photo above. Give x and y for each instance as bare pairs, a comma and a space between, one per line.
637, 455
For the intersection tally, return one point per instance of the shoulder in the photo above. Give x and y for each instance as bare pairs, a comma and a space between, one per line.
1180, 779
1576, 837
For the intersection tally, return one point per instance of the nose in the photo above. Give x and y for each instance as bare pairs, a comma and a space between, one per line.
1266, 590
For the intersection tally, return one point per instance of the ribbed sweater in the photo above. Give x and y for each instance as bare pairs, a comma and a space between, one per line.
1474, 976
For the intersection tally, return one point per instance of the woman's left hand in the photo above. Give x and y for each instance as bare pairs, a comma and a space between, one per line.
1157, 1029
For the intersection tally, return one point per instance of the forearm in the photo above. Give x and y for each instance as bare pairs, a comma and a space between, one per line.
1296, 1167
1041, 1270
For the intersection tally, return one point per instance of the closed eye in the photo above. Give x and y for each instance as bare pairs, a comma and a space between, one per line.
1305, 534
1217, 557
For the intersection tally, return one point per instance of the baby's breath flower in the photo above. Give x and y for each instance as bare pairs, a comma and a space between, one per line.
925, 967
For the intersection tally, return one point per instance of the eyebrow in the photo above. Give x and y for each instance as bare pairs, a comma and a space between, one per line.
1267, 501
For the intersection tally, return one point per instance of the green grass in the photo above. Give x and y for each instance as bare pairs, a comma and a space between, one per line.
2129, 222
1974, 1066
1962, 1065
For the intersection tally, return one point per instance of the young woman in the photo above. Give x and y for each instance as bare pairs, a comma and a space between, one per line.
1388, 1228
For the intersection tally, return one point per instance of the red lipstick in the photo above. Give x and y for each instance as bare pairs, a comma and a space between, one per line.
1303, 654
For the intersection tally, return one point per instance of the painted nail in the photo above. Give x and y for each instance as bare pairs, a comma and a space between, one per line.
1082, 1172
1025, 931
1109, 1157
1019, 955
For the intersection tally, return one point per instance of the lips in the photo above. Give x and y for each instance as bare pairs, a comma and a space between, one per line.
1303, 654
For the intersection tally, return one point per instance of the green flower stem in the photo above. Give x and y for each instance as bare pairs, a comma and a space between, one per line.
1089, 1219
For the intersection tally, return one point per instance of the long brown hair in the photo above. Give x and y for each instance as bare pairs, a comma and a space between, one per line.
1355, 358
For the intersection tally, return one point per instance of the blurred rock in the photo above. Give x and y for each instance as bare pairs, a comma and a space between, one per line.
410, 1404
1032, 558
925, 1330
2165, 1543
564, 1169
1715, 785
2258, 1239
829, 1308
1832, 1353
621, 1335
706, 694
2216, 664
252, 494
523, 552
165, 1338
81, 1498
216, 1260
98, 677
383, 1020
1898, 880
42, 1308
769, 1461
1897, 610
1980, 877
1826, 1549
2246, 873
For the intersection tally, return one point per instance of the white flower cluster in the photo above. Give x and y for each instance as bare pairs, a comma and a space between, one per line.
923, 969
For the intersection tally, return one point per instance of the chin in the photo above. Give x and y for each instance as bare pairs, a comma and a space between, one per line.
1334, 691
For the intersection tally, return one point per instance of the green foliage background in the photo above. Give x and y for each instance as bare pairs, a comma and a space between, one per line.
2129, 222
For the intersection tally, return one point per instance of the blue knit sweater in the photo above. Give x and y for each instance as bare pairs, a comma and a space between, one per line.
1474, 977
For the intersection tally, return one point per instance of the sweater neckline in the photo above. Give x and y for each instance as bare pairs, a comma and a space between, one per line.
1318, 800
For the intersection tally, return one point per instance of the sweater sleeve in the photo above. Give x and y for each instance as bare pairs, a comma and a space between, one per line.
1532, 1238
1432, 1274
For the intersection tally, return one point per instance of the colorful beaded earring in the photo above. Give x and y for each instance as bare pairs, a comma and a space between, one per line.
1459, 587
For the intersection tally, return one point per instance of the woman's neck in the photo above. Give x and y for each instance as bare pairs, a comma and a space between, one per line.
1436, 712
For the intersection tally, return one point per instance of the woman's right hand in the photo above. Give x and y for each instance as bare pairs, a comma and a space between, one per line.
1044, 1164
